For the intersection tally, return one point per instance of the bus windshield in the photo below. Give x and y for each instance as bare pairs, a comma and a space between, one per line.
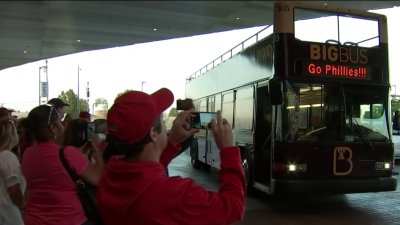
335, 112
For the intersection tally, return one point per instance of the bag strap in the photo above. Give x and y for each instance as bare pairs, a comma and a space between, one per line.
71, 173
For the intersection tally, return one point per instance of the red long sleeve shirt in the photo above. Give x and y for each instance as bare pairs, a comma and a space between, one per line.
140, 193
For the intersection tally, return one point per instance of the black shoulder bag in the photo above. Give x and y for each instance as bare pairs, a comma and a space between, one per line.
86, 193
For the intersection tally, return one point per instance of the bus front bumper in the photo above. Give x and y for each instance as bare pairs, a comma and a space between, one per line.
335, 186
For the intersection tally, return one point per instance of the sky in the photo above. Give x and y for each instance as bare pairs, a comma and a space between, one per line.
149, 66
112, 71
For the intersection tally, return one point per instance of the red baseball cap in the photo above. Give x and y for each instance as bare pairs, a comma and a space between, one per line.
132, 115
84, 115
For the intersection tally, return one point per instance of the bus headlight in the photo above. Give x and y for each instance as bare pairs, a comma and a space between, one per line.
383, 166
293, 167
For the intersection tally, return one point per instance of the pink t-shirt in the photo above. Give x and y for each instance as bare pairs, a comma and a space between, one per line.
51, 193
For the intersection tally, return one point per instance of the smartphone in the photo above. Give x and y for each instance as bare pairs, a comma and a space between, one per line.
184, 104
90, 131
102, 137
201, 120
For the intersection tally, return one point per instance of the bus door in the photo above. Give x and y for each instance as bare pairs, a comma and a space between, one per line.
202, 144
207, 149
262, 137
214, 105
211, 149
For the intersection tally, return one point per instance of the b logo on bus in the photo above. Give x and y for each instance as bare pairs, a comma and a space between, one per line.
342, 161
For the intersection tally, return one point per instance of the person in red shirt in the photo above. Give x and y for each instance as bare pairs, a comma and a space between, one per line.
134, 188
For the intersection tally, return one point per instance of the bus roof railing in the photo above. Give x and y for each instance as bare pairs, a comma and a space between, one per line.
229, 54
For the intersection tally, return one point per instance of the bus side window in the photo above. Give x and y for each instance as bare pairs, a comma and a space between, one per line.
196, 104
203, 105
244, 109
227, 107
217, 104
211, 104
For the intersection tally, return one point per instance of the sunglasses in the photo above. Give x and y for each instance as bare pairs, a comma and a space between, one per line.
52, 110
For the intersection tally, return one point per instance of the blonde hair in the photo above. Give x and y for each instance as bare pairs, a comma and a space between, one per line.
8, 135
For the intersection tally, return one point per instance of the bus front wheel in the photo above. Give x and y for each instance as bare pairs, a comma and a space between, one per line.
246, 168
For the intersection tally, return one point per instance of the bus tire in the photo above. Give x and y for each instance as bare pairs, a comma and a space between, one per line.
196, 164
194, 155
246, 164
206, 167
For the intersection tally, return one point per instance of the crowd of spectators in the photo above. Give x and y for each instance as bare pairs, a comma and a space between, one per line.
124, 156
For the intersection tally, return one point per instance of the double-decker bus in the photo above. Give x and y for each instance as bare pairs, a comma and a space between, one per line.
308, 101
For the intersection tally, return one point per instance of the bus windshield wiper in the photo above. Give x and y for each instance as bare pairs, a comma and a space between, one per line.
362, 133
352, 119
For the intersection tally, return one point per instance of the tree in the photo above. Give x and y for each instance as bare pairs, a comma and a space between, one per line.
70, 98
101, 101
173, 112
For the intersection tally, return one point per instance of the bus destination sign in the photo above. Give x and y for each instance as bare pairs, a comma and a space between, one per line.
337, 62
332, 70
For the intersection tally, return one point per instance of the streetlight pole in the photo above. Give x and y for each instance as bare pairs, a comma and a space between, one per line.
77, 103
40, 85
87, 96
43, 85
143, 84
395, 91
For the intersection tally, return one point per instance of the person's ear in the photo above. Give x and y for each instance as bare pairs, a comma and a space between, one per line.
153, 134
53, 128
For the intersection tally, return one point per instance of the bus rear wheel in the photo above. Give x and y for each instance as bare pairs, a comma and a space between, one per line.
206, 167
194, 155
196, 164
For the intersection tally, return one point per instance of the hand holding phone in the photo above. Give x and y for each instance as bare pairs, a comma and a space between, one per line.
179, 130
202, 120
222, 132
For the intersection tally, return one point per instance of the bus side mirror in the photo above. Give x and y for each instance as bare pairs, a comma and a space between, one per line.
275, 92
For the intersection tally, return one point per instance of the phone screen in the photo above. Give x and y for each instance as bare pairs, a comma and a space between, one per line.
90, 131
201, 120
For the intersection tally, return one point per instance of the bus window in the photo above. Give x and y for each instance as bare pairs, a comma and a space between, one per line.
203, 105
211, 104
291, 121
303, 118
217, 105
244, 109
316, 119
336, 27
227, 107
196, 104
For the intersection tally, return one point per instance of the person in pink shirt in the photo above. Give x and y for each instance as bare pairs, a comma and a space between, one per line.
134, 187
51, 196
